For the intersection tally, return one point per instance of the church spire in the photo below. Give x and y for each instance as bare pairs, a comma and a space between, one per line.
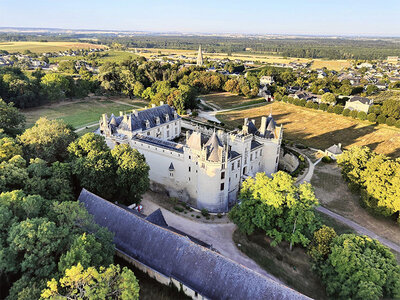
200, 57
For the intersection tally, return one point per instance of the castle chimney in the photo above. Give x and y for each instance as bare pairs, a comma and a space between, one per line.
340, 146
263, 126
153, 105
253, 121
245, 121
105, 120
121, 113
134, 112
161, 103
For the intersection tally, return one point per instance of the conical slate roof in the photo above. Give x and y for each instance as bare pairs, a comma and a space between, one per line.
171, 167
194, 141
213, 145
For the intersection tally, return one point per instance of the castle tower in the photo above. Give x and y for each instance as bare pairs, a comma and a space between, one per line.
200, 57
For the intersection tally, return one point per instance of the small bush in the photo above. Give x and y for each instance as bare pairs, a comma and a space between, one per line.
354, 114
362, 115
381, 119
390, 121
205, 212
397, 124
330, 109
309, 104
346, 112
198, 217
371, 117
178, 208
302, 102
323, 106
207, 218
219, 216
192, 215
315, 105
290, 100
338, 109
174, 200
195, 114
327, 159
285, 98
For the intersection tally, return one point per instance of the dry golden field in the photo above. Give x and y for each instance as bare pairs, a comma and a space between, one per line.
320, 129
41, 47
228, 100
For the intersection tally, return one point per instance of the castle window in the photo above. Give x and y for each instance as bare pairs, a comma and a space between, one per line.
222, 175
166, 117
256, 154
222, 186
176, 130
260, 152
251, 157
233, 166
168, 134
189, 178
171, 174
148, 133
190, 169
167, 126
190, 157
147, 124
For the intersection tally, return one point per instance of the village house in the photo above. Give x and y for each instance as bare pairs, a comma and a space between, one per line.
173, 258
359, 104
207, 168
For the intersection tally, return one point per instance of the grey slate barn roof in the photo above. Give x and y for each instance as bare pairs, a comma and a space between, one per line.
203, 270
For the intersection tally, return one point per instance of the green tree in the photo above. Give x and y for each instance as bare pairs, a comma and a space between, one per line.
93, 165
11, 120
132, 178
55, 86
67, 66
371, 117
320, 246
391, 108
371, 89
328, 98
362, 115
13, 174
107, 283
359, 267
381, 119
277, 206
48, 139
9, 148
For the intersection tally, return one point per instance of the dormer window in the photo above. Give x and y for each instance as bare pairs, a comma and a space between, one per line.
166, 117
157, 120
147, 124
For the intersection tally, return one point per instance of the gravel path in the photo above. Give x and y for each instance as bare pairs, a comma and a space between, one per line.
217, 235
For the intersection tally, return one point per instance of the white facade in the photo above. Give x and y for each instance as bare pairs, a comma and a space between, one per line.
207, 169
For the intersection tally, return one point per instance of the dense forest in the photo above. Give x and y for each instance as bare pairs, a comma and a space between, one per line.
306, 47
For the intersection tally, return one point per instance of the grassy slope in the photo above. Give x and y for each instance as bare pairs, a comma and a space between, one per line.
77, 113
320, 129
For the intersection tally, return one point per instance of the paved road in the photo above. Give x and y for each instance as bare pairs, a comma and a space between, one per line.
217, 235
211, 115
360, 229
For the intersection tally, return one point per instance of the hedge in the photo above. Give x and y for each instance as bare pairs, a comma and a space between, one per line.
354, 114
371, 117
397, 124
390, 121
381, 119
309, 104
362, 115
323, 106
338, 109
346, 112
330, 109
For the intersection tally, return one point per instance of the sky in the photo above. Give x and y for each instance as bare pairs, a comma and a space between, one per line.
306, 17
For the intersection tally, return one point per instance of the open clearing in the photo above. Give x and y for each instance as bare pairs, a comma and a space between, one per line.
228, 100
333, 193
319, 129
81, 112
41, 47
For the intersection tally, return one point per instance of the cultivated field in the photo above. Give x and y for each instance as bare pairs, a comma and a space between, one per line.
271, 59
80, 113
228, 100
320, 129
41, 47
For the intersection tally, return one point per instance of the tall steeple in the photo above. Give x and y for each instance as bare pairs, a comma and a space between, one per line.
200, 57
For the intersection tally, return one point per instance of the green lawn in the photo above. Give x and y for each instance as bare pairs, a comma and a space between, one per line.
77, 113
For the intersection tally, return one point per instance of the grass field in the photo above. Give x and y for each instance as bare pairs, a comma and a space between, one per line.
336, 65
41, 47
333, 193
228, 100
78, 113
320, 129
291, 267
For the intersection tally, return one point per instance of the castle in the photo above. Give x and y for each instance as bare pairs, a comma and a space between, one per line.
206, 168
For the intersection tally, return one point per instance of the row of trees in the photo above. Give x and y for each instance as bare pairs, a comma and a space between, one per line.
47, 238
377, 114
376, 176
350, 266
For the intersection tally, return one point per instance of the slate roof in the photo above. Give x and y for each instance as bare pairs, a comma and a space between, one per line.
334, 149
363, 100
203, 270
156, 217
158, 142
138, 120
194, 141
